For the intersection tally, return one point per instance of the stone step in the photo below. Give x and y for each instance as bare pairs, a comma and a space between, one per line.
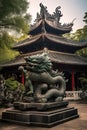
40, 118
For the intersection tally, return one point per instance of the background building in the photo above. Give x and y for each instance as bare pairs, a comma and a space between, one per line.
46, 35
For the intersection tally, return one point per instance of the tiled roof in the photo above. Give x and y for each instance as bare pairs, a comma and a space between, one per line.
58, 57
55, 27
52, 38
67, 58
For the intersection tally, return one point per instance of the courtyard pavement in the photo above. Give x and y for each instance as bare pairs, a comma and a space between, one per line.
75, 124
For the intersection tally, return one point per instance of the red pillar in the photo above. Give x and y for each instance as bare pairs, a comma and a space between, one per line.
22, 78
73, 81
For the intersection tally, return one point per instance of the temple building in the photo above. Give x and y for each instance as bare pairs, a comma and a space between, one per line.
46, 35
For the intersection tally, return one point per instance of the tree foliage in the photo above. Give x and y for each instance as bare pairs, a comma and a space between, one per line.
6, 42
13, 15
81, 36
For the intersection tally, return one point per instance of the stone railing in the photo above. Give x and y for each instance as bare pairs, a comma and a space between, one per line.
73, 95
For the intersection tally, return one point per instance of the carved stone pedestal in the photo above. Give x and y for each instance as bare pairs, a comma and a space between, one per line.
47, 118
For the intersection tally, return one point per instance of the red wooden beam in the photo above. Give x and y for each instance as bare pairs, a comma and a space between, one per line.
22, 78
73, 81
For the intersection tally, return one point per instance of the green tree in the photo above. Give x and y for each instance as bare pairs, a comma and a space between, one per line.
80, 35
6, 42
83, 36
13, 15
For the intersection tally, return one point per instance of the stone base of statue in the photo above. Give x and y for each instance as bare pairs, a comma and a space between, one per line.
40, 114
40, 106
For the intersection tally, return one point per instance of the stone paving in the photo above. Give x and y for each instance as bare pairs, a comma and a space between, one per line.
75, 124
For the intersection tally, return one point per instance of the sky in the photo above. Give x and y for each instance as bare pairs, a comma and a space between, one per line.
69, 8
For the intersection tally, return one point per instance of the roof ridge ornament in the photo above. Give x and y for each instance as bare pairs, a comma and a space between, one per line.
73, 20
57, 13
45, 50
53, 20
44, 14
43, 10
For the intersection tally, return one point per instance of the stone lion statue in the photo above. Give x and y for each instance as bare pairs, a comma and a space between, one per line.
42, 83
